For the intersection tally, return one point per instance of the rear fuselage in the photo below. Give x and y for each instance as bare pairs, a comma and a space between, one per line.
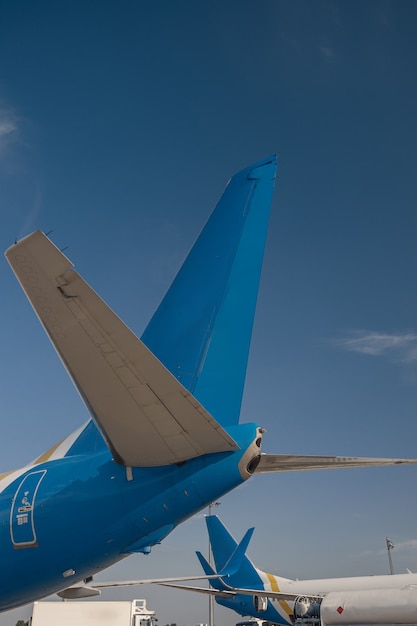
64, 520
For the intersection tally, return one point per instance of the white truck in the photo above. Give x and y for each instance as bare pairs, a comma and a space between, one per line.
97, 613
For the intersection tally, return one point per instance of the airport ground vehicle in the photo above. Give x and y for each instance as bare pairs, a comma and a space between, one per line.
95, 613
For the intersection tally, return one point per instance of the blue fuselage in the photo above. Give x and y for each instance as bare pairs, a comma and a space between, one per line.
86, 512
244, 605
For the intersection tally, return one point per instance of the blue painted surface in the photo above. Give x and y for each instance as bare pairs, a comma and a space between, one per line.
223, 546
202, 328
243, 605
89, 512
88, 515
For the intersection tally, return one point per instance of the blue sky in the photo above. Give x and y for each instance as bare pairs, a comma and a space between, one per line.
120, 123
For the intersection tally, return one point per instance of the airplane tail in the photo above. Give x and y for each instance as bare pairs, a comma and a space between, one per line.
231, 561
201, 331
146, 397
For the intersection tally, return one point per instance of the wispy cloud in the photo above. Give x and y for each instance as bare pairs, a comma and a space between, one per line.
411, 544
21, 188
399, 347
401, 546
8, 129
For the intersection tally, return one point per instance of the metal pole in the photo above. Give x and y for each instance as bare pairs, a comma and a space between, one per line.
211, 598
390, 546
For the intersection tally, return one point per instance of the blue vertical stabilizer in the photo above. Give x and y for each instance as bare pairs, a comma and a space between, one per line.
202, 329
230, 557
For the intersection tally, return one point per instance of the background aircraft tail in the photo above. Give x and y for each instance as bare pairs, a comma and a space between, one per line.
202, 329
230, 558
